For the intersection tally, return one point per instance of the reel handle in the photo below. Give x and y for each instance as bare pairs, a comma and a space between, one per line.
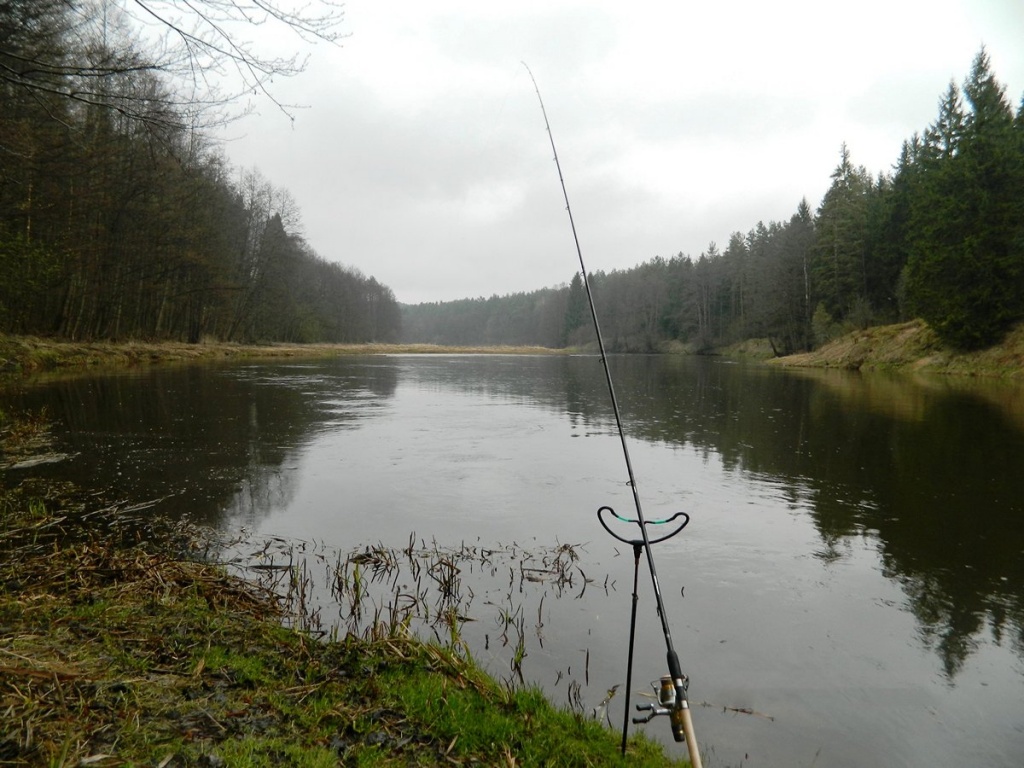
672, 702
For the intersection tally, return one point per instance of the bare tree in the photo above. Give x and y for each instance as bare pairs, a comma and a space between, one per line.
83, 50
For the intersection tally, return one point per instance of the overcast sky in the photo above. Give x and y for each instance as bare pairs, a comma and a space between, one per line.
422, 158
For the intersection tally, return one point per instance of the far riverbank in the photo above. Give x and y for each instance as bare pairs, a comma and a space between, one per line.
912, 347
31, 354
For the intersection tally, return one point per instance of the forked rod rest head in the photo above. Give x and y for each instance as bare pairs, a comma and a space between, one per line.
642, 542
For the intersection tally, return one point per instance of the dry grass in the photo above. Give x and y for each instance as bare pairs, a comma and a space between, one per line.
114, 656
913, 347
31, 353
97, 641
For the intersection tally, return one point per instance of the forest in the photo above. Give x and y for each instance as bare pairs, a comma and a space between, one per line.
120, 219
939, 237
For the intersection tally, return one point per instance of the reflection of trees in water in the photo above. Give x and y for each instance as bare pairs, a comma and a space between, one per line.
933, 476
204, 440
953, 626
929, 470
943, 624
261, 490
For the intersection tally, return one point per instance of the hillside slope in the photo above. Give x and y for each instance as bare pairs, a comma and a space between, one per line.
913, 346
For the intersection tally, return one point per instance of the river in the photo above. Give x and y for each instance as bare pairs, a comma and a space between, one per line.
849, 590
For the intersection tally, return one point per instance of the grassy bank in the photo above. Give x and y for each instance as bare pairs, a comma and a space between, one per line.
910, 346
27, 354
913, 347
113, 655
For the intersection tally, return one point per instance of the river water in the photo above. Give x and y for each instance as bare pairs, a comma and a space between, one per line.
849, 590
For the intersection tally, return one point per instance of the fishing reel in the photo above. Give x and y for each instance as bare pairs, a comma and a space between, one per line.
680, 712
669, 703
670, 690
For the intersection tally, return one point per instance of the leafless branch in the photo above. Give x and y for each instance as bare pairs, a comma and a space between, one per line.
199, 49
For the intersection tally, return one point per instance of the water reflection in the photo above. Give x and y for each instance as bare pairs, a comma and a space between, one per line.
199, 440
927, 468
932, 473
927, 472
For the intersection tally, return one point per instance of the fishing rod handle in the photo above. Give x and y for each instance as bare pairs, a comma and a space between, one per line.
672, 703
682, 721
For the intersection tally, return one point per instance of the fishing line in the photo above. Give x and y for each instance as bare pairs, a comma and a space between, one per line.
682, 724
496, 120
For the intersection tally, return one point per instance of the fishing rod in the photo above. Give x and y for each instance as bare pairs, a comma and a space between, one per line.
677, 707
666, 690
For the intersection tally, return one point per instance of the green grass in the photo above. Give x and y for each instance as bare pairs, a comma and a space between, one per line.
112, 656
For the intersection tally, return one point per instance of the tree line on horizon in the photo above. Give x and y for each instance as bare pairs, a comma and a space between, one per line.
940, 237
118, 219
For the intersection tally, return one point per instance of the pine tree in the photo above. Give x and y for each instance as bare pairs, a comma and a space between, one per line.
965, 272
575, 311
839, 256
942, 139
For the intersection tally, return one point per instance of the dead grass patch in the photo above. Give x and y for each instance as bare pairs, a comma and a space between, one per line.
913, 346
